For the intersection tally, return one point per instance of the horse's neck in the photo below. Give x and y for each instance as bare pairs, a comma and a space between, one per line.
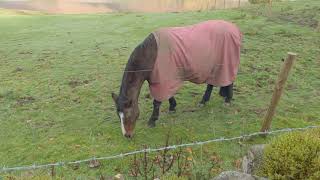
131, 86
142, 58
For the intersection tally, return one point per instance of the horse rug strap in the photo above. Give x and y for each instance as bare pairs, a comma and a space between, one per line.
208, 52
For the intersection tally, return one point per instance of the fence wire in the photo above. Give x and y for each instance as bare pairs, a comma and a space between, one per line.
221, 139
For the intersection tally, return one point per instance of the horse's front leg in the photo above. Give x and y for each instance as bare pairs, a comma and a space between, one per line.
206, 96
155, 113
227, 93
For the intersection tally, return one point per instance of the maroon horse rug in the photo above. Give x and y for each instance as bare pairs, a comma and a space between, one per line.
208, 52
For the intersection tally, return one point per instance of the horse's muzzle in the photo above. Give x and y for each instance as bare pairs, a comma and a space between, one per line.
128, 135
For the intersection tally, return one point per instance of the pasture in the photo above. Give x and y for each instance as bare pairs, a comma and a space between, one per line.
57, 73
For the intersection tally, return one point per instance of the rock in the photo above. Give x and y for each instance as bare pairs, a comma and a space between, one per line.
234, 175
253, 160
250, 164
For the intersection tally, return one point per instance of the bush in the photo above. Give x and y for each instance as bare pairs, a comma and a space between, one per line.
293, 156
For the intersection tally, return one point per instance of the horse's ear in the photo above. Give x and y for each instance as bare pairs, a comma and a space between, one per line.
114, 97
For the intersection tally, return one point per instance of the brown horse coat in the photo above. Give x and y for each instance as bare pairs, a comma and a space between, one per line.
208, 52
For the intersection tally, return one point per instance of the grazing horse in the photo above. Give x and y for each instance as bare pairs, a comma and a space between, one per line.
207, 52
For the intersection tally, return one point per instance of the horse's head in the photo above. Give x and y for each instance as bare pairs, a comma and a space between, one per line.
128, 112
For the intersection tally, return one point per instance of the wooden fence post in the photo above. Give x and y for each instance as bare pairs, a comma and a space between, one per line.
282, 78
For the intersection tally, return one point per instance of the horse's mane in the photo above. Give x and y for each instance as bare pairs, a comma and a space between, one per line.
139, 53
137, 62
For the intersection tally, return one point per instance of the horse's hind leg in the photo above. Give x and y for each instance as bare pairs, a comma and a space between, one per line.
227, 93
173, 104
155, 113
207, 95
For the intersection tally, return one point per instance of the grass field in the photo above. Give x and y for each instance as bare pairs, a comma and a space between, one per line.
57, 73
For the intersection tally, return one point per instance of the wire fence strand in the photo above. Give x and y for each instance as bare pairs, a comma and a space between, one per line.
221, 139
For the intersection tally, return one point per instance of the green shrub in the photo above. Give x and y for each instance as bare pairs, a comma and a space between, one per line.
293, 156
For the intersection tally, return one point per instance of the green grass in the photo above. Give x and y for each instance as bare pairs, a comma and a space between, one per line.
57, 73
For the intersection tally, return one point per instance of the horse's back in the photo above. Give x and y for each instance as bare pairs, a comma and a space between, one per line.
205, 52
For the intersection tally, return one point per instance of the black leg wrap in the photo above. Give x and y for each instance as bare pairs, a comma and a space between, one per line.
227, 93
173, 104
207, 95
155, 113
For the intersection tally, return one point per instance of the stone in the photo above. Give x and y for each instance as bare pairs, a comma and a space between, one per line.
253, 160
234, 175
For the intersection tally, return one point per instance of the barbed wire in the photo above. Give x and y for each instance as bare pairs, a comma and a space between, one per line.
221, 139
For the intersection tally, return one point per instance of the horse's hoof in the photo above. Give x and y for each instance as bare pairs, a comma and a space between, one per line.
151, 124
227, 104
172, 111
